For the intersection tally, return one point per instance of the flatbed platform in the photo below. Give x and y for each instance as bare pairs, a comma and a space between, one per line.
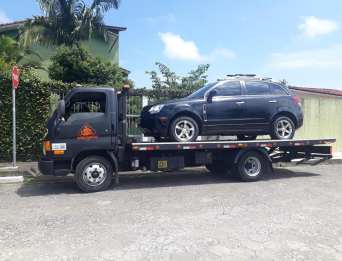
203, 145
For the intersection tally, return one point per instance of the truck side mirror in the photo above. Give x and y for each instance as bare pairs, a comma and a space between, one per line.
211, 95
61, 109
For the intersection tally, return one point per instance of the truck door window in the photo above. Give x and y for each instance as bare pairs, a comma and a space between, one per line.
85, 105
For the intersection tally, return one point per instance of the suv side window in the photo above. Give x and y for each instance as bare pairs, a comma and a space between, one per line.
257, 88
229, 89
277, 90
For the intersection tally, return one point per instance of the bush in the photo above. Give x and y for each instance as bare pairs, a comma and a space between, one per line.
79, 65
32, 108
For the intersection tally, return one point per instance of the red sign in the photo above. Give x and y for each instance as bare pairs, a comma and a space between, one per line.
15, 77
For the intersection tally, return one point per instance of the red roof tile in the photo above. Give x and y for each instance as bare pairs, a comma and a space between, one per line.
317, 90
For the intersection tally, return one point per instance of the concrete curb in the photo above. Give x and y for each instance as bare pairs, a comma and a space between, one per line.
20, 171
6, 180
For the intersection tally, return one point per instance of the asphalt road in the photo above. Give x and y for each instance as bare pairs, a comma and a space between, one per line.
294, 214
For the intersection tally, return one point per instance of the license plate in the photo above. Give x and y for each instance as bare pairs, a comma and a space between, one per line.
162, 164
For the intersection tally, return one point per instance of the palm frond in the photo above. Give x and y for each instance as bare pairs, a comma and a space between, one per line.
44, 5
5, 43
68, 22
105, 5
35, 65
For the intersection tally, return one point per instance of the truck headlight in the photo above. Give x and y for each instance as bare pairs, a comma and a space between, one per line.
156, 109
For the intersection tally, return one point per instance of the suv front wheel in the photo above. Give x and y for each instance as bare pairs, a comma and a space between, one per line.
184, 129
282, 128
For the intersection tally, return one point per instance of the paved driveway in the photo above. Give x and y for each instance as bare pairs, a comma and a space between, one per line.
294, 214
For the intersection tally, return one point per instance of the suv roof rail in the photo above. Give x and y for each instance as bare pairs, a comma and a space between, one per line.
241, 74
247, 75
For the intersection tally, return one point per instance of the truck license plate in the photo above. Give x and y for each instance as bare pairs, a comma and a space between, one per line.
162, 164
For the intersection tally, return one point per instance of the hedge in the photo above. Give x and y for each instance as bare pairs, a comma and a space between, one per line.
33, 101
32, 108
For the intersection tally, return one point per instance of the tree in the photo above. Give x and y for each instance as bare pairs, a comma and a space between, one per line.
284, 81
12, 53
79, 65
191, 83
67, 22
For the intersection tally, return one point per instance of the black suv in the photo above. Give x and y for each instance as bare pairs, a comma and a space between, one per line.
242, 105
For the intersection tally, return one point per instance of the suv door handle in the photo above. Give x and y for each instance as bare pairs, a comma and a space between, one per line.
240, 102
272, 101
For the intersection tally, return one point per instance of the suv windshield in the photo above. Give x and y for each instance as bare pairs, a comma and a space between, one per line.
200, 93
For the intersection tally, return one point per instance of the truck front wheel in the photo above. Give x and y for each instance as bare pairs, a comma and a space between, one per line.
93, 174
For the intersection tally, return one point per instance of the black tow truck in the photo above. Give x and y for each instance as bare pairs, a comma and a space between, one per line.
86, 136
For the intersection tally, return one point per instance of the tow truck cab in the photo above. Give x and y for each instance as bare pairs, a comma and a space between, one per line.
85, 123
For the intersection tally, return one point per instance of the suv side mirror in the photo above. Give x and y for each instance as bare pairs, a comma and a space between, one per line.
211, 95
61, 109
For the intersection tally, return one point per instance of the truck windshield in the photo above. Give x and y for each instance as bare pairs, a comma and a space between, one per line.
200, 93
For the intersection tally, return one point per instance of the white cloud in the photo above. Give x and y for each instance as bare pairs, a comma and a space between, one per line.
3, 18
152, 20
223, 52
313, 26
179, 49
319, 58
169, 18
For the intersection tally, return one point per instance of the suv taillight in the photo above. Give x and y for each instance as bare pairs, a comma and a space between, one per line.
296, 99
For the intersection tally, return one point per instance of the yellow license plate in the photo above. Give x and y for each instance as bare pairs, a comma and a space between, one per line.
162, 164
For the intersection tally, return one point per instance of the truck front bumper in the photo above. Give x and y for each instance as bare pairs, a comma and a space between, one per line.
47, 167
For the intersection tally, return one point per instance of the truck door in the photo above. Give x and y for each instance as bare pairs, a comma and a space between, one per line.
87, 122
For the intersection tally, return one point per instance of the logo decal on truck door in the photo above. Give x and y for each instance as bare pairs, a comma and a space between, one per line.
87, 132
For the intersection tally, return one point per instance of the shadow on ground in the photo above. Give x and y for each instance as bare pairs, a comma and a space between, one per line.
47, 185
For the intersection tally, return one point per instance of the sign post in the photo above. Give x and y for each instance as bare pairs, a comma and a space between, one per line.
15, 82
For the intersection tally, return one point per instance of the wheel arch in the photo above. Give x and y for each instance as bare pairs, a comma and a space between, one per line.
190, 114
287, 114
79, 156
263, 152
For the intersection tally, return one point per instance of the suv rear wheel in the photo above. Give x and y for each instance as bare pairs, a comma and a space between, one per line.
282, 128
184, 129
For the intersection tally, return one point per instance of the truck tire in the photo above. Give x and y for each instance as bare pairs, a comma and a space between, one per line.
250, 166
282, 128
93, 174
219, 168
183, 129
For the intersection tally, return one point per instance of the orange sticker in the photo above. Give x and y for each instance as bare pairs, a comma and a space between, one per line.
86, 133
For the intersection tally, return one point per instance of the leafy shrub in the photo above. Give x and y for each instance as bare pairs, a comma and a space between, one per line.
32, 108
79, 65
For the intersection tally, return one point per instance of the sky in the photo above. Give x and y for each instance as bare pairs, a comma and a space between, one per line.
296, 40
